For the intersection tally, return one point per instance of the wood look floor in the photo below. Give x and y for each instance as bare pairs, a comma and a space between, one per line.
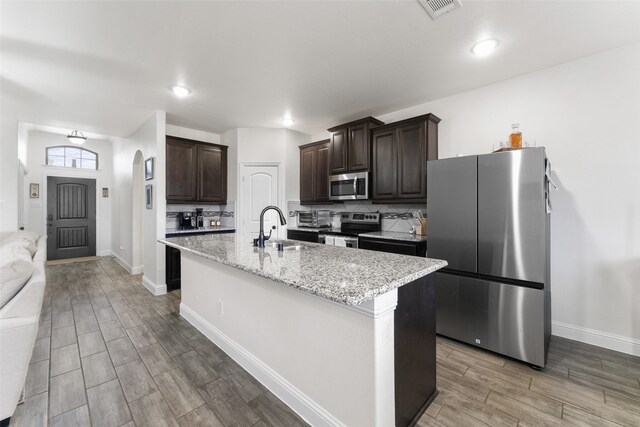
109, 353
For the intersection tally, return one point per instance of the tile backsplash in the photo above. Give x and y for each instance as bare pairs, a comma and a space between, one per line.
226, 213
395, 217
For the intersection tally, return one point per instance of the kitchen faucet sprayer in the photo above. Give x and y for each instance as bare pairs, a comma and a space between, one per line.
261, 237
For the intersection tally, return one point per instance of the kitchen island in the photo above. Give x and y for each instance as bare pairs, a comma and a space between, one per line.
342, 336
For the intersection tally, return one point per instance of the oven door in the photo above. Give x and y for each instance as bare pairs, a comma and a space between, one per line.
350, 186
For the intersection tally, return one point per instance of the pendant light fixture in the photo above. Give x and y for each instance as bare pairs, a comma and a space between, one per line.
77, 137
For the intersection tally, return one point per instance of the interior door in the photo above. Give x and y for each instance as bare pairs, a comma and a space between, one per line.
71, 217
259, 190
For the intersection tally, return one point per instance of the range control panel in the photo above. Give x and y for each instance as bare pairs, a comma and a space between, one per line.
360, 217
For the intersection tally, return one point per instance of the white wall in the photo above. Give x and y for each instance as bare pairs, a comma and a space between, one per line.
585, 113
197, 135
150, 140
8, 174
38, 171
272, 145
266, 145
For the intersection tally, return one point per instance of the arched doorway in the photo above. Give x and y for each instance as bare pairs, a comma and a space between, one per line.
137, 204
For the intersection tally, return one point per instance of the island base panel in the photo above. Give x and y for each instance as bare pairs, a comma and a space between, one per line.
332, 364
415, 349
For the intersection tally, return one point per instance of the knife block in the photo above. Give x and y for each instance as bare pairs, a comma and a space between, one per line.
421, 230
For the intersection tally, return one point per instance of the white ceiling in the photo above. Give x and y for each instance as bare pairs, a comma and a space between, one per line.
104, 66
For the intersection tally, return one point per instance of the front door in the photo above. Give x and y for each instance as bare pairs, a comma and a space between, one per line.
71, 217
259, 190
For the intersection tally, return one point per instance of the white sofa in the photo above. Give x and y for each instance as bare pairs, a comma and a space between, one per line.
20, 308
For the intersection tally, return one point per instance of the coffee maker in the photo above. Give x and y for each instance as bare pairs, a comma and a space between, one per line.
199, 218
186, 220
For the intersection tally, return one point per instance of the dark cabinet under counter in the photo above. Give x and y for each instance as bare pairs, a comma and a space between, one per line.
305, 236
394, 246
172, 257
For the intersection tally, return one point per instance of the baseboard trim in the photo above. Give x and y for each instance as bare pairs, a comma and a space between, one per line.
137, 269
105, 253
152, 287
302, 404
597, 338
121, 261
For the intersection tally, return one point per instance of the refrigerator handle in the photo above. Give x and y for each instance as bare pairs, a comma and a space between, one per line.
547, 172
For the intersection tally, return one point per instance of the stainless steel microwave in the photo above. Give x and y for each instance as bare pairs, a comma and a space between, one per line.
349, 186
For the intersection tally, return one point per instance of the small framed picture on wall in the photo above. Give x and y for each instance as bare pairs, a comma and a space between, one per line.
148, 169
149, 196
34, 191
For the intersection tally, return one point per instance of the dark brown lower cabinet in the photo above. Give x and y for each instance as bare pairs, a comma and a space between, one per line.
305, 236
415, 349
394, 246
172, 265
172, 259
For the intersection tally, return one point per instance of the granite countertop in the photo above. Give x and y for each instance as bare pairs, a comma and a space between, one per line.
395, 235
344, 275
199, 230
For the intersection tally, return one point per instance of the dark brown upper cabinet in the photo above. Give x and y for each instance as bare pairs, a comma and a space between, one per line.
350, 146
181, 164
212, 174
196, 172
314, 173
399, 154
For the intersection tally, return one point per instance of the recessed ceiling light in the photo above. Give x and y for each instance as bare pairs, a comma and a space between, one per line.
180, 91
287, 121
484, 47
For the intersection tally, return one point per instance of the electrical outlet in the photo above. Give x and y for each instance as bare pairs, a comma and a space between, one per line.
477, 341
221, 308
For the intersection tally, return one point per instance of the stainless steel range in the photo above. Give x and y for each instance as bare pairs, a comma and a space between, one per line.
352, 224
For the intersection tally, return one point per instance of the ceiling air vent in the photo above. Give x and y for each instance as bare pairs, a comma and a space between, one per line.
436, 8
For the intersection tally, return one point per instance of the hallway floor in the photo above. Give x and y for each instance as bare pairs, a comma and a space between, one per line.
109, 353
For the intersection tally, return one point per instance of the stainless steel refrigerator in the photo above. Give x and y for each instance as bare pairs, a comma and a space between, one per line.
489, 218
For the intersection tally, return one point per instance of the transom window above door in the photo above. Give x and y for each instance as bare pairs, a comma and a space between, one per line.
72, 157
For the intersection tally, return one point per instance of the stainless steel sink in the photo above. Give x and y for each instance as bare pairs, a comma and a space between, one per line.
288, 246
295, 247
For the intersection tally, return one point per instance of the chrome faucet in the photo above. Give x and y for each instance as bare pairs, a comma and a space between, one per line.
261, 238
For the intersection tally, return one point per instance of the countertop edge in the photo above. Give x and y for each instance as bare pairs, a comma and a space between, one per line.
347, 301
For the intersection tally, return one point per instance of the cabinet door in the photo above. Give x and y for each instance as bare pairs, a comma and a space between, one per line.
359, 148
212, 174
180, 173
385, 179
305, 236
172, 262
394, 247
412, 161
322, 174
307, 174
338, 149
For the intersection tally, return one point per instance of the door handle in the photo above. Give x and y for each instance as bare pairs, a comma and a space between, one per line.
355, 188
50, 217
